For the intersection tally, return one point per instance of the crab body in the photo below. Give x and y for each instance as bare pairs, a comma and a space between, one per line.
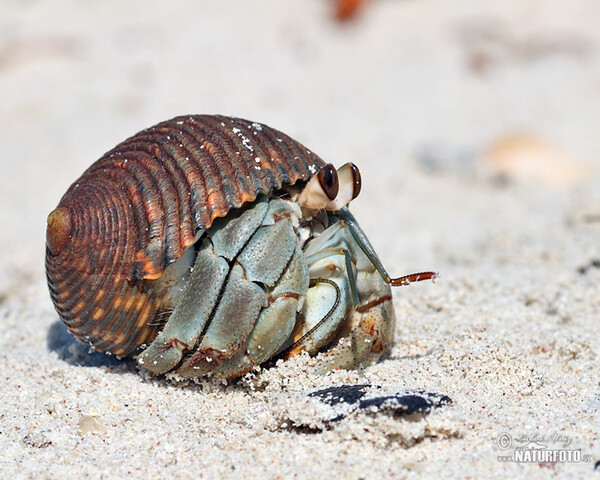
263, 278
211, 245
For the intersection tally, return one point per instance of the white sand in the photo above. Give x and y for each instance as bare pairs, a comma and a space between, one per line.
510, 330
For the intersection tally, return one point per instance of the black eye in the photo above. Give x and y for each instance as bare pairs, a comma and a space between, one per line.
328, 180
356, 181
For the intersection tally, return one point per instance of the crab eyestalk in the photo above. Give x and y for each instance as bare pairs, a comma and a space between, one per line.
330, 189
350, 183
320, 189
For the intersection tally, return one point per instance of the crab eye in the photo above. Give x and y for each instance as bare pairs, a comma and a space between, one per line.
356, 181
328, 179
349, 187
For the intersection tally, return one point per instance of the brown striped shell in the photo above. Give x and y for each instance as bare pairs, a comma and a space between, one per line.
134, 211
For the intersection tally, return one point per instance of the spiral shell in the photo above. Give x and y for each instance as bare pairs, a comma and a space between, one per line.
134, 211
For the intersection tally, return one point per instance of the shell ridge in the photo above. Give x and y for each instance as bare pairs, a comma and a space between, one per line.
236, 163
112, 290
147, 261
172, 185
190, 164
224, 156
263, 178
169, 246
173, 155
82, 270
272, 144
209, 172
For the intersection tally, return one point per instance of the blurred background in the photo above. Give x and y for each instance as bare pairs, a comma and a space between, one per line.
427, 98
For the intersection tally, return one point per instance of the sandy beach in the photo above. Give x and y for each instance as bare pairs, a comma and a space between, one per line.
475, 127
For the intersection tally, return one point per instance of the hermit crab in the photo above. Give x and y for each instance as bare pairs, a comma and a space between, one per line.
211, 245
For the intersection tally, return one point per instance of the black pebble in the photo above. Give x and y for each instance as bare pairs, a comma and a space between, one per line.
407, 403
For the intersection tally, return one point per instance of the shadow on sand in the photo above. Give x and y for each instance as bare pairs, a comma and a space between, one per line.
71, 351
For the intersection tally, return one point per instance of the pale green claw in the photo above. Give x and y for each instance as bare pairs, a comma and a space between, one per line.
277, 321
191, 313
269, 250
242, 299
230, 234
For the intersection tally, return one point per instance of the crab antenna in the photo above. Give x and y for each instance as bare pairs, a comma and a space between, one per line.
364, 245
413, 277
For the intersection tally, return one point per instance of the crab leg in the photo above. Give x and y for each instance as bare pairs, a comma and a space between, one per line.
321, 297
261, 261
275, 322
327, 264
191, 313
234, 318
368, 328
188, 320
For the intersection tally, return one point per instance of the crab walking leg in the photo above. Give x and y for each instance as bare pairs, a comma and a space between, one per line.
262, 260
235, 316
230, 234
269, 250
187, 321
369, 326
191, 313
324, 262
368, 329
320, 298
275, 322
